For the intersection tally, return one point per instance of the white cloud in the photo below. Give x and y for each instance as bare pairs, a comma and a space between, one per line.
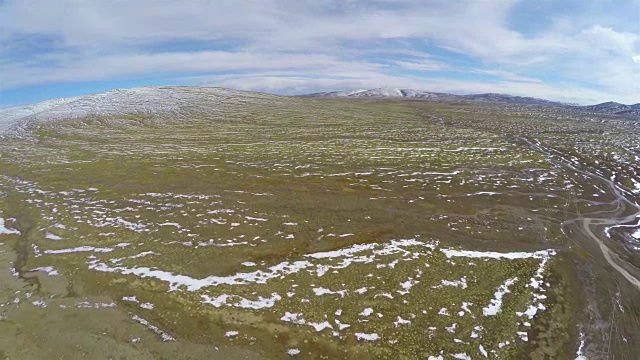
425, 65
431, 65
607, 39
506, 75
104, 40
96, 67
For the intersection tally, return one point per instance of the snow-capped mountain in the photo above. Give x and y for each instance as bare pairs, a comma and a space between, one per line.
394, 92
334, 93
419, 94
381, 93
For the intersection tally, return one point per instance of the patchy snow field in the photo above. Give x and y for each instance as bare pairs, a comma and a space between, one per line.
343, 228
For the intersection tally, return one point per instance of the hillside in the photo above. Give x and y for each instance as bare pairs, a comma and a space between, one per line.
142, 100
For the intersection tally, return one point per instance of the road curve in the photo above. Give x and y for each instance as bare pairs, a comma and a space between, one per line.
614, 218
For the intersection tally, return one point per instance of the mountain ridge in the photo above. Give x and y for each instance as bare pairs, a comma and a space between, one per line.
611, 106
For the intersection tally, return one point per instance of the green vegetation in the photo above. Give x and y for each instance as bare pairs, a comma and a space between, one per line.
286, 219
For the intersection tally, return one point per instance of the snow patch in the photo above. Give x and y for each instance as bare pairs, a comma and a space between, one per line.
7, 231
244, 303
47, 269
579, 353
163, 335
367, 337
78, 249
496, 303
295, 318
495, 255
321, 326
50, 236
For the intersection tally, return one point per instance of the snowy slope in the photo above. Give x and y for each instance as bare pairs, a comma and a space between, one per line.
12, 116
142, 100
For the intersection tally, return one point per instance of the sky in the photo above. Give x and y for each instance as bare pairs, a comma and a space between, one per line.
577, 51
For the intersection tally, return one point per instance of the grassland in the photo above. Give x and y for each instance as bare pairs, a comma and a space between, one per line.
318, 228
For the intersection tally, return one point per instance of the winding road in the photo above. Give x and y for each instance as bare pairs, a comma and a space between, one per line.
614, 218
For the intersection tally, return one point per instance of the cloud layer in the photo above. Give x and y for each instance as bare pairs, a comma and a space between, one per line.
586, 53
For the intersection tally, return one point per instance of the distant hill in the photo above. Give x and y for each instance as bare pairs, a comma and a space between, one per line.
612, 108
502, 98
179, 100
419, 94
187, 101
